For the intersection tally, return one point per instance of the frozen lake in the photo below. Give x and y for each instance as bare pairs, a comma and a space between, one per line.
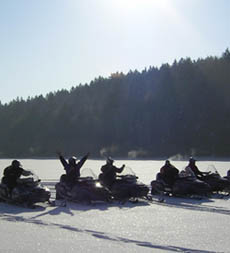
178, 225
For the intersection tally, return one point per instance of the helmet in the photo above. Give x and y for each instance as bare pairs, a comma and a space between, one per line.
191, 159
16, 163
72, 160
228, 173
167, 162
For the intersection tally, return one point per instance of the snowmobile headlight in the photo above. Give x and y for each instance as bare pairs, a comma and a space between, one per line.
46, 189
98, 185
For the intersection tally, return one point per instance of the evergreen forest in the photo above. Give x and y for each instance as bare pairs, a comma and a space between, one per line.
175, 110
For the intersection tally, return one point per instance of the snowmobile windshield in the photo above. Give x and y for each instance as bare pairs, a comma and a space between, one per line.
212, 169
127, 171
31, 173
87, 172
32, 177
186, 172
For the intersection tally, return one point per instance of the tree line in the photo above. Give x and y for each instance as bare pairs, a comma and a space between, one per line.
180, 109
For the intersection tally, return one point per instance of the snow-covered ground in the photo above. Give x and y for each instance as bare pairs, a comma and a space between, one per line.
178, 225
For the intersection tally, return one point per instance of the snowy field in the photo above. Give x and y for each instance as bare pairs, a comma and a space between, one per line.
178, 225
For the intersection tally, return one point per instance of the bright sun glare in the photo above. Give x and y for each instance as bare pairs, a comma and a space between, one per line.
163, 4
135, 5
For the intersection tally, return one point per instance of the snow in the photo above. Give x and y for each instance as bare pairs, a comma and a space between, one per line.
177, 225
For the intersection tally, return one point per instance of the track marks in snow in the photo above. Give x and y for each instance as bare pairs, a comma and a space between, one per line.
101, 235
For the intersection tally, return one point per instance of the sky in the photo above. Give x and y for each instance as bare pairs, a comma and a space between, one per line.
49, 45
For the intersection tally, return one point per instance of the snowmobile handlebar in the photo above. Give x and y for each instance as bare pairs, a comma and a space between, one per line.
126, 176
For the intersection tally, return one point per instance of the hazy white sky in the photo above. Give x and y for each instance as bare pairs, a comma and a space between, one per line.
47, 45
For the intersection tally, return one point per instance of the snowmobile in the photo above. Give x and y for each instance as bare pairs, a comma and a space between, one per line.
216, 182
183, 186
128, 188
87, 189
190, 186
27, 193
227, 189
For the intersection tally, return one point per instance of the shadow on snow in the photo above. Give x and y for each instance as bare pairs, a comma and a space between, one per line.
101, 235
193, 204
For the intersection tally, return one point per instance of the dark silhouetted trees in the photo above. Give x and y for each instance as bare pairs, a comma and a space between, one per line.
183, 108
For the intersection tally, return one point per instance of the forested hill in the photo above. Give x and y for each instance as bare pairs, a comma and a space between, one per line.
183, 108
